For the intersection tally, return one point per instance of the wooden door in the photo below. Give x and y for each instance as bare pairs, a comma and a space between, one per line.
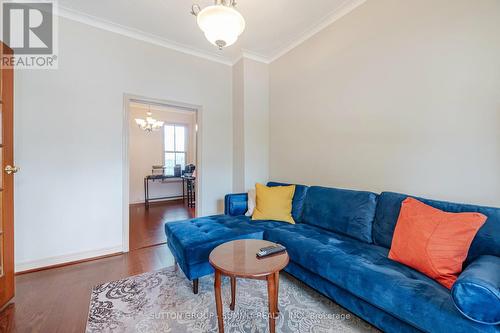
6, 180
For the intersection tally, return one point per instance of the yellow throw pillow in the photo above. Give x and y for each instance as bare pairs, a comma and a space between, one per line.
274, 203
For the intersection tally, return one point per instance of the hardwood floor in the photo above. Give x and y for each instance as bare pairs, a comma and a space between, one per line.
147, 225
57, 300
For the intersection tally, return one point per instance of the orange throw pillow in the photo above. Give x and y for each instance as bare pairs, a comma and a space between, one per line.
432, 241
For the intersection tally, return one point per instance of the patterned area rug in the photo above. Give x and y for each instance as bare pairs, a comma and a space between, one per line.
163, 301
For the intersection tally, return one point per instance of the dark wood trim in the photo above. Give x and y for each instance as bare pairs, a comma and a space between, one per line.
7, 289
68, 263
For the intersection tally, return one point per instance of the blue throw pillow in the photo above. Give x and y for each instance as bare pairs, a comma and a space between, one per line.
476, 292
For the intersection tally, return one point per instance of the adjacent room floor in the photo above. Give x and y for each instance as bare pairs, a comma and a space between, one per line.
57, 300
147, 225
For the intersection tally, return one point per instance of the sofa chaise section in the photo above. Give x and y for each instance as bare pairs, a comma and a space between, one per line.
191, 241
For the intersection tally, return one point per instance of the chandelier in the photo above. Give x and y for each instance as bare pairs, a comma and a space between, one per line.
149, 124
221, 23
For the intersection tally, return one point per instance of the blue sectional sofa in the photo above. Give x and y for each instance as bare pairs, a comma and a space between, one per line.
340, 246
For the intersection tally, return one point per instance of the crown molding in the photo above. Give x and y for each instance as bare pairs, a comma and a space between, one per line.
254, 56
245, 54
344, 9
137, 34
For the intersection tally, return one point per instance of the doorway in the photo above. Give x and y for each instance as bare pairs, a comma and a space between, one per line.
162, 168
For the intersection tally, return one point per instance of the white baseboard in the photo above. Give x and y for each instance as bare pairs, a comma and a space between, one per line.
46, 262
162, 200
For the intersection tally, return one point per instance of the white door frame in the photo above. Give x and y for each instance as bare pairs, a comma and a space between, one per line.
127, 99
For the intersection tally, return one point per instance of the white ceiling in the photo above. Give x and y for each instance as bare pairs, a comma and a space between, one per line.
273, 27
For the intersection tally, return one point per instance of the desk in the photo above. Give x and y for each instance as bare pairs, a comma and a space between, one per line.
171, 179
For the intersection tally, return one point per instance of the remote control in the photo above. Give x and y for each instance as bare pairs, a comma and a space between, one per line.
270, 250
267, 248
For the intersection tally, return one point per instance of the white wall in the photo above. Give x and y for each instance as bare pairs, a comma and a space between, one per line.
146, 150
69, 132
250, 124
238, 127
397, 95
256, 121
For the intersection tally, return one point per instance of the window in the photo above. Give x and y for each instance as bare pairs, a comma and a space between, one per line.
175, 147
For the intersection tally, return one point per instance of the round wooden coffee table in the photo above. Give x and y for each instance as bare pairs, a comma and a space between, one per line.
237, 259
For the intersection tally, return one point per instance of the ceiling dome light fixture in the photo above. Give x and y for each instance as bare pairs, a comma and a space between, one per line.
221, 23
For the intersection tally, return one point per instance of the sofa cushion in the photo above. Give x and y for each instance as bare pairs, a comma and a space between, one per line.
193, 240
486, 242
476, 293
344, 211
365, 271
298, 199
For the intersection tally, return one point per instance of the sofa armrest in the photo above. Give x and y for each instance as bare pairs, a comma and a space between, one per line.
476, 292
235, 204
